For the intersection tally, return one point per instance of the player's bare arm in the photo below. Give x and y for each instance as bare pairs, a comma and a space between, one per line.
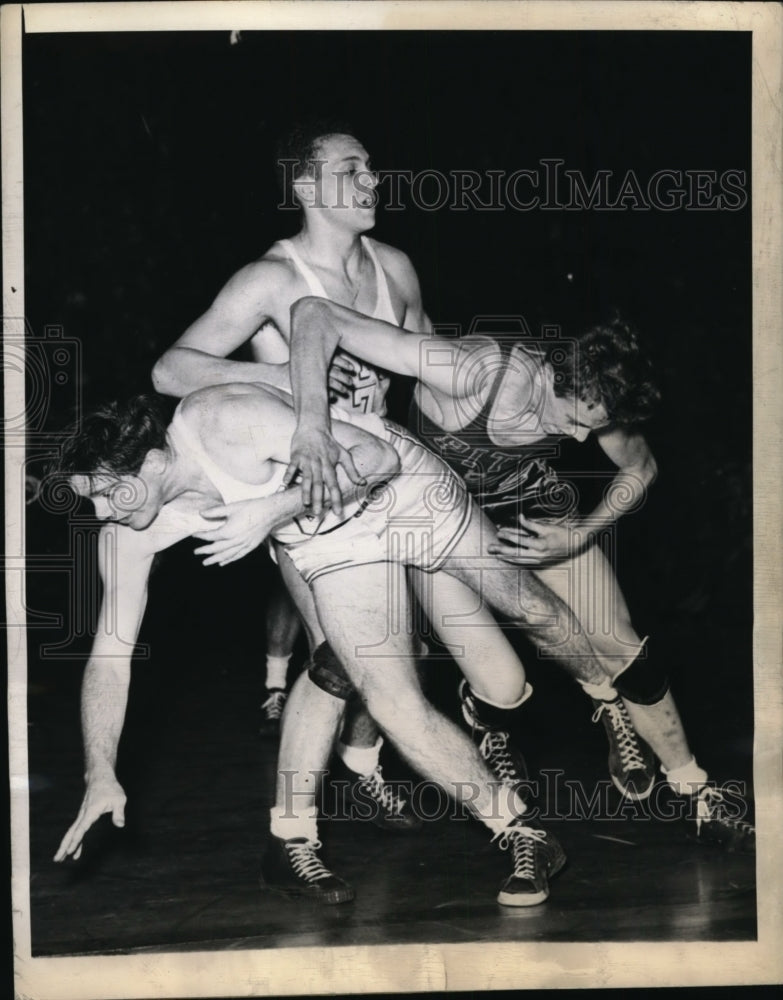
248, 430
253, 304
538, 542
448, 369
124, 562
319, 327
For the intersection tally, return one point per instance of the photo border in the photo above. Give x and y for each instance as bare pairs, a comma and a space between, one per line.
428, 967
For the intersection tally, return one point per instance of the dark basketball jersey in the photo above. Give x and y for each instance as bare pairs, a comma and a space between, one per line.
505, 481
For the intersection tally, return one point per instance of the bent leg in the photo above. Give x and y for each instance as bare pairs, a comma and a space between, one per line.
282, 623
310, 724
378, 656
360, 730
589, 586
519, 595
301, 597
465, 626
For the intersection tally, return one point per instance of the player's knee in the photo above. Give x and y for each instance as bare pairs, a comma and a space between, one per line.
328, 673
643, 682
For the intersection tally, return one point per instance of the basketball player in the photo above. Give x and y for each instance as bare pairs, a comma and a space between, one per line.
491, 410
325, 171
229, 445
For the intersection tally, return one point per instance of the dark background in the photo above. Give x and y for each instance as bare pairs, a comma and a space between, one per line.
149, 181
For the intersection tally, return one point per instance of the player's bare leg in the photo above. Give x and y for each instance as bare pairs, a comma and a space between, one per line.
494, 689
637, 690
379, 658
358, 767
282, 629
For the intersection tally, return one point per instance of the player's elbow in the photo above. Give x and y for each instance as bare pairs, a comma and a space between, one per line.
164, 377
309, 313
649, 471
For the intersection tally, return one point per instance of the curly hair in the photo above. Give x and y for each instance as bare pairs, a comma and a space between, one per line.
607, 364
301, 146
113, 439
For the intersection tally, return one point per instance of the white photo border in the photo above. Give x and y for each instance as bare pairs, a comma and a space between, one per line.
429, 967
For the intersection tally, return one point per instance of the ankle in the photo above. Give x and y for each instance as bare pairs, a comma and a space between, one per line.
285, 826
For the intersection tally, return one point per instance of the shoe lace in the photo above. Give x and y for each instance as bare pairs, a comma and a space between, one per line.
305, 862
625, 735
274, 704
380, 792
523, 841
494, 749
710, 808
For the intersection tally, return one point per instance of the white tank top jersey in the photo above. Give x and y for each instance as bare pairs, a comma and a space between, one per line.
369, 393
232, 490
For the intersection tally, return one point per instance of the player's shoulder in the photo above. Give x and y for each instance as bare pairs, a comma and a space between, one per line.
216, 409
399, 271
391, 257
478, 346
271, 268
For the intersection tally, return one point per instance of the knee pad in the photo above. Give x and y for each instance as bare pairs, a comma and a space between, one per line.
327, 673
644, 682
482, 715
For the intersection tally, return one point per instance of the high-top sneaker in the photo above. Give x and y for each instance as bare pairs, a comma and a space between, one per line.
631, 761
720, 823
272, 711
501, 756
537, 856
376, 800
293, 868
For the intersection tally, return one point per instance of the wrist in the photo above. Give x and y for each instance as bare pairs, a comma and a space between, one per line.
101, 771
312, 420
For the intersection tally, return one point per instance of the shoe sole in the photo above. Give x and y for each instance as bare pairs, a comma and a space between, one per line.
630, 793
331, 898
531, 899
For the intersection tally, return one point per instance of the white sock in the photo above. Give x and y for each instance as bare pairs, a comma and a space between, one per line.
505, 810
601, 692
286, 827
362, 760
687, 779
276, 671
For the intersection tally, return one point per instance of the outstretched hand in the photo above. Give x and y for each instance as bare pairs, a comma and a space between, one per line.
537, 543
104, 795
241, 527
316, 455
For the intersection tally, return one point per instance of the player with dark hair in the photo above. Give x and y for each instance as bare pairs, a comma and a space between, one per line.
495, 412
299, 153
229, 445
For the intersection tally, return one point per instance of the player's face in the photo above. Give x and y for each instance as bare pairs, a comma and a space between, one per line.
572, 417
347, 184
134, 501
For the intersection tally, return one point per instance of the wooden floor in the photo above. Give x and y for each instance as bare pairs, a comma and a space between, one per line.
184, 872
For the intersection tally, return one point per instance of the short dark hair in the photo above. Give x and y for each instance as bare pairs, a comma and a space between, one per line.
298, 150
607, 364
113, 439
